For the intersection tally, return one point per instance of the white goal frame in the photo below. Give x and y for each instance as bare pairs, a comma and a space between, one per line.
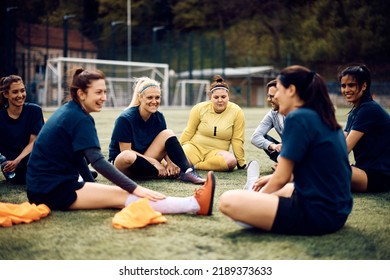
55, 77
181, 91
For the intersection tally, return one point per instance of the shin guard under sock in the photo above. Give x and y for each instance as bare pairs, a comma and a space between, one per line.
176, 153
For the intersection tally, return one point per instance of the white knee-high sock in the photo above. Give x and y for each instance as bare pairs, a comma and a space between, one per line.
170, 205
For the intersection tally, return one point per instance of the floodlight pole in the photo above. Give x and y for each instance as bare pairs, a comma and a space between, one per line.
154, 41
129, 58
65, 26
128, 30
113, 39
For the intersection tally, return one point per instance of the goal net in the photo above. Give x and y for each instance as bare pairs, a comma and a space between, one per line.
120, 78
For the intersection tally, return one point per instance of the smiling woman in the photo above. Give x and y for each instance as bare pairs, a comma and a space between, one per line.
309, 192
69, 140
367, 131
20, 123
94, 101
142, 145
215, 126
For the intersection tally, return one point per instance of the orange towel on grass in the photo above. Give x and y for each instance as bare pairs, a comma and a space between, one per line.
137, 215
21, 213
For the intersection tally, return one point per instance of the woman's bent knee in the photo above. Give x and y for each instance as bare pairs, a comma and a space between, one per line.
125, 158
167, 133
230, 159
225, 204
231, 163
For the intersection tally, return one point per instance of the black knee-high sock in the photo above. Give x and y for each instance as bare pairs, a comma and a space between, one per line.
176, 153
143, 168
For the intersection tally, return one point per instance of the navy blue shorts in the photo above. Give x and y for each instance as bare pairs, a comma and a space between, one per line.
61, 198
292, 218
377, 181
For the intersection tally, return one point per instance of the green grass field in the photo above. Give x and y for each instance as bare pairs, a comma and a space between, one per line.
89, 235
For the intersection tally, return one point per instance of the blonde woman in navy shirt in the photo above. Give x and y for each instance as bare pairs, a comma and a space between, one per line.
142, 145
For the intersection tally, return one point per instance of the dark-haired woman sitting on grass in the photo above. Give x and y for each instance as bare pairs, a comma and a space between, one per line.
318, 200
68, 138
367, 132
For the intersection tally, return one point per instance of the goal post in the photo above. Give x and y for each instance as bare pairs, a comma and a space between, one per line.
120, 78
189, 92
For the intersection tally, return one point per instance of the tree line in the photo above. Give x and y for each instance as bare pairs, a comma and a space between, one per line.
320, 34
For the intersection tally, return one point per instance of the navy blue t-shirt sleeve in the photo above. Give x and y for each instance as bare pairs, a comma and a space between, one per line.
366, 118
37, 120
295, 138
85, 135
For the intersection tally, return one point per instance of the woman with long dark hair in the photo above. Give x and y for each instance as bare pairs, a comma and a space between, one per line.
367, 131
20, 123
309, 192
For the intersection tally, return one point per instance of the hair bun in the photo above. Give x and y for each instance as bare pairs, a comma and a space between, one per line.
218, 79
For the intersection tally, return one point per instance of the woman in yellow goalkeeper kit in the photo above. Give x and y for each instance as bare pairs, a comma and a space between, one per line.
213, 127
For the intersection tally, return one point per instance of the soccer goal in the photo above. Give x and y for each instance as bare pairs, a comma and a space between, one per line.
190, 92
120, 78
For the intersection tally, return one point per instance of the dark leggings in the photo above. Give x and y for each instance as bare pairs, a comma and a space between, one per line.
274, 154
